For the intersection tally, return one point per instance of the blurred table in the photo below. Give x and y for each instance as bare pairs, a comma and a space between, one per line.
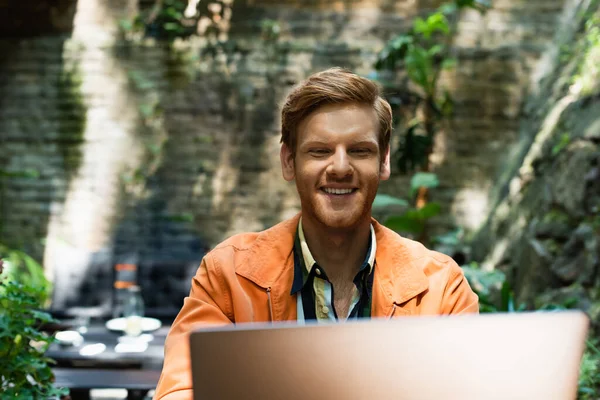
80, 381
76, 356
103, 361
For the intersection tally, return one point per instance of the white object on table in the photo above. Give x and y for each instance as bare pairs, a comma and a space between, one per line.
120, 324
69, 338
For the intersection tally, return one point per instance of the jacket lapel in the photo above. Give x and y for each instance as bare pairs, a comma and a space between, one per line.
397, 276
270, 265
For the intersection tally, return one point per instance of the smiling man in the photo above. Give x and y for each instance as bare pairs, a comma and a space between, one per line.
332, 262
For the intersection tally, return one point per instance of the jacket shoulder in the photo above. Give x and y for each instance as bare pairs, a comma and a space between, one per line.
230, 253
431, 261
243, 248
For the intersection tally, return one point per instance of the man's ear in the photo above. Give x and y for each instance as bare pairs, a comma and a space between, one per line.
287, 163
384, 169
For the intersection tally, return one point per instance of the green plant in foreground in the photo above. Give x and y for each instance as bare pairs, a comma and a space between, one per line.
589, 373
25, 371
21, 267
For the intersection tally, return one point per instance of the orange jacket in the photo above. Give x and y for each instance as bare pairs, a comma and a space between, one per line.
248, 278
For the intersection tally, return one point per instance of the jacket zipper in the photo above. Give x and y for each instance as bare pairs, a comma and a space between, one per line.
393, 310
270, 304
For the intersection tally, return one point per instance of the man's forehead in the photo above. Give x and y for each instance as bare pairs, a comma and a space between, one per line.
333, 120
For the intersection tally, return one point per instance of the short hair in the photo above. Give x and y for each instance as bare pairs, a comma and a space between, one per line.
333, 86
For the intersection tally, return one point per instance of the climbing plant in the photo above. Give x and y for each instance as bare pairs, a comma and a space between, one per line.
168, 20
419, 56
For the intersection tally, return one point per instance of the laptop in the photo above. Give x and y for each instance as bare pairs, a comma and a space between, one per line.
493, 356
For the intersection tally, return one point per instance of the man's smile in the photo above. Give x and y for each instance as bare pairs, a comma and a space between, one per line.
338, 191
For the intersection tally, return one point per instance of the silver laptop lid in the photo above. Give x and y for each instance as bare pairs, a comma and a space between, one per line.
493, 356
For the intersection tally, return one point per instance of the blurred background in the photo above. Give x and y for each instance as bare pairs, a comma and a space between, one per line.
142, 133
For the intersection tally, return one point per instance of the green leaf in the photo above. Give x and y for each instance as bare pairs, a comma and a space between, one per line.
171, 26
423, 179
436, 22
429, 210
451, 238
482, 281
126, 25
449, 63
435, 50
383, 201
154, 148
419, 67
394, 52
146, 109
29, 173
407, 223
506, 298
563, 142
41, 316
448, 9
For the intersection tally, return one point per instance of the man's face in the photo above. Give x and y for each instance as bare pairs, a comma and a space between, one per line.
338, 164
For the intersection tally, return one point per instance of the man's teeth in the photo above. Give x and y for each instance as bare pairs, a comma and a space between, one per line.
337, 191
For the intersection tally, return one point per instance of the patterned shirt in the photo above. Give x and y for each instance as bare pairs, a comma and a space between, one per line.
314, 291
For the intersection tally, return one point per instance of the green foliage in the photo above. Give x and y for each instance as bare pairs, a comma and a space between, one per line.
183, 217
26, 173
139, 81
166, 21
25, 372
423, 179
563, 142
413, 149
413, 220
270, 30
421, 54
588, 72
435, 23
383, 201
486, 284
589, 372
72, 117
22, 267
449, 239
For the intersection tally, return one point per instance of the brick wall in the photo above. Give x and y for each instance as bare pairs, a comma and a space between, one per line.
148, 152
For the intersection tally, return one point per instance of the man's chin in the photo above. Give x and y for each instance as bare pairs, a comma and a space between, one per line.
345, 221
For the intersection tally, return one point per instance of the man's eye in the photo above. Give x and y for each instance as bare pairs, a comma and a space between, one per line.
360, 151
318, 152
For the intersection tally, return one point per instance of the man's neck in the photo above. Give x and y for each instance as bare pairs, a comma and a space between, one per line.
340, 252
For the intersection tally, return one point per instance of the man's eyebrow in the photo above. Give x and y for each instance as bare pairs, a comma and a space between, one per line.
359, 141
363, 142
315, 142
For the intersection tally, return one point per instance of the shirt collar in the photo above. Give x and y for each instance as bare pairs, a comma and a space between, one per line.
304, 261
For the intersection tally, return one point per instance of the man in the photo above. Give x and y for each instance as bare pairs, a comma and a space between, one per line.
332, 261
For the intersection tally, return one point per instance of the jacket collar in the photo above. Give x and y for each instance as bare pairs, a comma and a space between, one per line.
400, 277
270, 262
271, 254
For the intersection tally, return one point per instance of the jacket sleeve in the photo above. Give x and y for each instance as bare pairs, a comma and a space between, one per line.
207, 304
458, 296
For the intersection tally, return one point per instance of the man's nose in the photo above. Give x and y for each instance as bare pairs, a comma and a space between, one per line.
340, 164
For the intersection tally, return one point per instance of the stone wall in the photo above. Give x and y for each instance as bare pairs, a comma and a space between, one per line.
544, 230
140, 151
